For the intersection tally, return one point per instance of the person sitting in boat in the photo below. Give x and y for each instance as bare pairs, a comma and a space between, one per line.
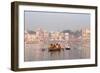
58, 46
54, 46
51, 46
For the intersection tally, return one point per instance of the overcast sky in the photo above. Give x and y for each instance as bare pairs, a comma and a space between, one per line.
56, 21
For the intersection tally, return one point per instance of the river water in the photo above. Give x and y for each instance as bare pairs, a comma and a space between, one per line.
34, 52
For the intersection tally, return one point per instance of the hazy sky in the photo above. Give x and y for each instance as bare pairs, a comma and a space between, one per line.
56, 21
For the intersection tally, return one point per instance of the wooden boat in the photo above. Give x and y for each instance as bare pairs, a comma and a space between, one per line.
54, 47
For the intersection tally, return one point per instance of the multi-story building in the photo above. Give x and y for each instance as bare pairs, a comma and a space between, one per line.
30, 37
66, 37
40, 35
46, 36
86, 42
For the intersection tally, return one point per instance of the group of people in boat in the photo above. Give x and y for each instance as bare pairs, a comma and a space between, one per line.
57, 47
54, 47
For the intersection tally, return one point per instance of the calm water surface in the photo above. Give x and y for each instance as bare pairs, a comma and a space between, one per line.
34, 52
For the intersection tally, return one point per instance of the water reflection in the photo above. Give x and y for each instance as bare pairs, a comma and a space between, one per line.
33, 52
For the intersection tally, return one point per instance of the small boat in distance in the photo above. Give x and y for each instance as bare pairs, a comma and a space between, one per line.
43, 49
67, 47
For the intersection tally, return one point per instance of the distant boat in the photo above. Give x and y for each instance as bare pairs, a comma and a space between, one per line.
67, 47
43, 49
